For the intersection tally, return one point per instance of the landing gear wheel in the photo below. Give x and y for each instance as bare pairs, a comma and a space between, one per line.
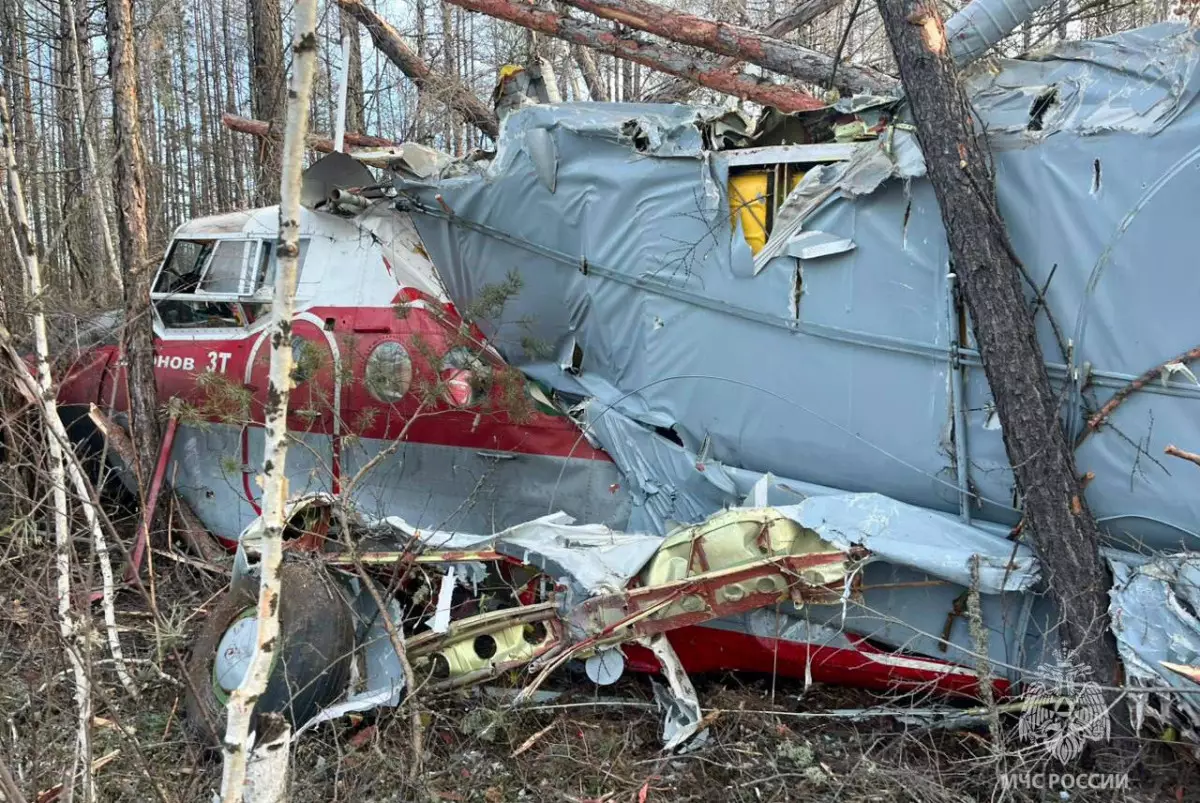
311, 663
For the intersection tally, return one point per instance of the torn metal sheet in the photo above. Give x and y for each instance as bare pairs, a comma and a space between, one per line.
903, 535
802, 579
1153, 607
592, 557
842, 375
682, 718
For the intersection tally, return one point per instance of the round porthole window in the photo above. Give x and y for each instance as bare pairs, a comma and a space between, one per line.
463, 375
388, 374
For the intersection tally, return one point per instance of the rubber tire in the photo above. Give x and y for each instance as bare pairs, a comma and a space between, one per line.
316, 629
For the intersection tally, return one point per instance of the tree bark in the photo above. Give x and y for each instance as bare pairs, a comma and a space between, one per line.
654, 56
591, 75
454, 94
269, 545
354, 76
736, 41
1064, 531
90, 173
316, 142
74, 635
267, 92
138, 333
803, 13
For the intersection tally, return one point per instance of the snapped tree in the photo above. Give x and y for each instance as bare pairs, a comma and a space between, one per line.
736, 41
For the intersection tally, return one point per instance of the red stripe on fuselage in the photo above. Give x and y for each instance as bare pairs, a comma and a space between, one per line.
425, 334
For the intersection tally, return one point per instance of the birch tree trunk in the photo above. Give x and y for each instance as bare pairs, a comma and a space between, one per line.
274, 478
137, 334
73, 635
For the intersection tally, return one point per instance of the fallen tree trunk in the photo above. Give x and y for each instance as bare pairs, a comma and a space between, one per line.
648, 54
451, 92
739, 42
1064, 532
803, 13
316, 142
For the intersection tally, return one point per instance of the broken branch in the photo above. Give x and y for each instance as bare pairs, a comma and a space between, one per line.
316, 142
457, 96
648, 54
1137, 384
738, 42
1175, 451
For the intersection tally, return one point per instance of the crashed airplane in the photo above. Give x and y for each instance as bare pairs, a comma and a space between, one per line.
726, 412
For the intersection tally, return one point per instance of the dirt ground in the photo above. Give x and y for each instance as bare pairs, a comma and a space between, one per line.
767, 742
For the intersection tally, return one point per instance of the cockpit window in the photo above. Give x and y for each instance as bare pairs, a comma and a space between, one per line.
227, 266
184, 266
217, 284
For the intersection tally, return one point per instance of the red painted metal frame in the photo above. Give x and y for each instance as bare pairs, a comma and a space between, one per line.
160, 470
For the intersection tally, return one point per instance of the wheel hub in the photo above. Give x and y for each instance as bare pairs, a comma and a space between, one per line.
235, 652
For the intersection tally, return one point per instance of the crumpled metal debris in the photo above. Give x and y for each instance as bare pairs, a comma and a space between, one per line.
1155, 614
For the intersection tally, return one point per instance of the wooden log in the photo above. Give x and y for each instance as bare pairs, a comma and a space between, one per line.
738, 42
804, 12
316, 142
655, 56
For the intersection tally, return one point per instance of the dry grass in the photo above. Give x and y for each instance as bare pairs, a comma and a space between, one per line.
569, 749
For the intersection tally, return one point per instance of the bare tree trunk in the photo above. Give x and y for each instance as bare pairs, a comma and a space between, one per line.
801, 14
1063, 529
189, 134
138, 333
236, 153
736, 41
591, 75
657, 57
210, 162
450, 70
421, 129
74, 636
221, 139
76, 233
454, 94
354, 77
267, 91
274, 476
90, 183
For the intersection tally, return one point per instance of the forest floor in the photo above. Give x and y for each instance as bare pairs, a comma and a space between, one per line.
767, 741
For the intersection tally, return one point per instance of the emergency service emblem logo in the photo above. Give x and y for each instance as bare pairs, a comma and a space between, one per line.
1065, 710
